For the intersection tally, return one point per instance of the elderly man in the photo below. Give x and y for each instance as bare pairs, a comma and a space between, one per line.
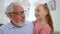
17, 24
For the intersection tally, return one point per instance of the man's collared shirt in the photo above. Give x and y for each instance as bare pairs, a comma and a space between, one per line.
10, 29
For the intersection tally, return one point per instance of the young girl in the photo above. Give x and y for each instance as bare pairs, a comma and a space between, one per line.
43, 23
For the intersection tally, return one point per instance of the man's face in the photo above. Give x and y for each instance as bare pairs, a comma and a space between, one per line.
18, 15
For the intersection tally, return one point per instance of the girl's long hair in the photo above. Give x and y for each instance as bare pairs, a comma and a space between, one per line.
48, 17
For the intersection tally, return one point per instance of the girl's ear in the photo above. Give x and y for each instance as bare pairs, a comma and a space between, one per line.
46, 12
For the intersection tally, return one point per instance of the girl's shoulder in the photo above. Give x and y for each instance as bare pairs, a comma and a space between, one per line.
34, 22
46, 26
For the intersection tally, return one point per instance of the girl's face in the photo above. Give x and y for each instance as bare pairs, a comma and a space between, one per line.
40, 12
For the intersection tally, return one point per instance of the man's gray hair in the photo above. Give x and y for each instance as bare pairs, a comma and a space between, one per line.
9, 7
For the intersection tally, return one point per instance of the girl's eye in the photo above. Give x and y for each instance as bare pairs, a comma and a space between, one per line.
38, 10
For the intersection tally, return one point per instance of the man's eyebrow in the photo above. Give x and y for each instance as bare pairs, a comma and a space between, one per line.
20, 11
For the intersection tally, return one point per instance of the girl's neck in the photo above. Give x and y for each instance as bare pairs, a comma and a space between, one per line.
43, 20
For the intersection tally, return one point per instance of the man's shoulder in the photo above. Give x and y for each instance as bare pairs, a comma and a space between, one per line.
29, 23
4, 26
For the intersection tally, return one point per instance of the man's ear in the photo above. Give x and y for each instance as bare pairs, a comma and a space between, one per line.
8, 15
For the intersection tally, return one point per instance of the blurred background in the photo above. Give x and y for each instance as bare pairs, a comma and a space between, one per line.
29, 6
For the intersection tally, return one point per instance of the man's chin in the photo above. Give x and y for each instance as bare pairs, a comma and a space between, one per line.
20, 24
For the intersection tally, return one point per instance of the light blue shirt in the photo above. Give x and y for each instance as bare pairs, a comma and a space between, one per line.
10, 29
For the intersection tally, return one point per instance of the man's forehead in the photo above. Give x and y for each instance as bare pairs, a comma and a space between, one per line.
17, 7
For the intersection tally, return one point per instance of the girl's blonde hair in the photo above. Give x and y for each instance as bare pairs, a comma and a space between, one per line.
48, 17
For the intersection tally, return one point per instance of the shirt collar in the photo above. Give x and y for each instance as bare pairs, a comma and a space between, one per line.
10, 25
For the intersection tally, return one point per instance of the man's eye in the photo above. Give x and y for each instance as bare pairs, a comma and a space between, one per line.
18, 13
22, 12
